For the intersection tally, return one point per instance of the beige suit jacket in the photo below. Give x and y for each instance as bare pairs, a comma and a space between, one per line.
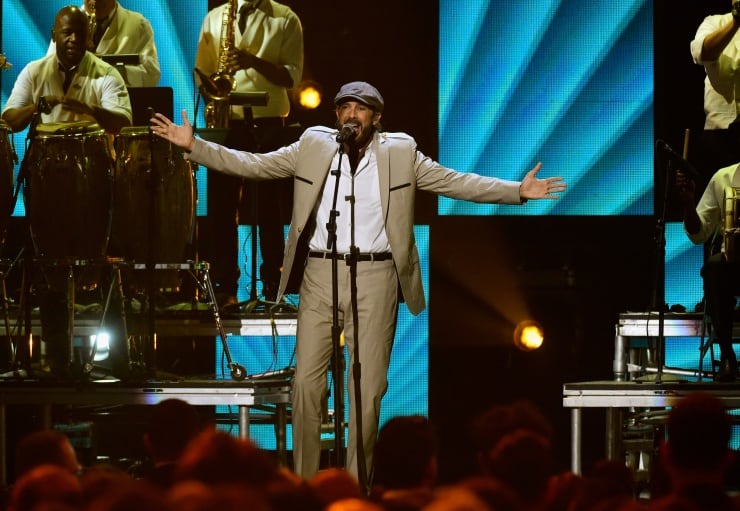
402, 169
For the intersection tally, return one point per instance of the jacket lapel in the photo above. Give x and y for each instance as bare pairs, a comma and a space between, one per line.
384, 171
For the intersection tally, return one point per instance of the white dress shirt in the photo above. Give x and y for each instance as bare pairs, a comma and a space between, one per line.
722, 84
370, 235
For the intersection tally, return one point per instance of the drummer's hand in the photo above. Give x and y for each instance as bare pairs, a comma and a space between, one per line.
76, 106
181, 136
52, 101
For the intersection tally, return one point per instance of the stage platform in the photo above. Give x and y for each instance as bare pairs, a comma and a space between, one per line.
265, 393
651, 400
181, 323
269, 394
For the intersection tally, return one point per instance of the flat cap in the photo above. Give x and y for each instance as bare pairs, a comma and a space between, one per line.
362, 92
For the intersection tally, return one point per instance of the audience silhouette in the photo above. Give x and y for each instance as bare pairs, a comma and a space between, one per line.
208, 469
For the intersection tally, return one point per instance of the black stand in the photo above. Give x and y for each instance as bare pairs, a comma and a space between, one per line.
338, 354
247, 100
659, 284
20, 364
362, 477
658, 301
337, 359
254, 302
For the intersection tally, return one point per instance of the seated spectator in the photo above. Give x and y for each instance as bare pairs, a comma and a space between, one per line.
522, 460
497, 495
354, 505
100, 480
216, 457
455, 498
696, 454
46, 485
609, 484
289, 492
197, 496
131, 496
502, 419
172, 426
334, 484
47, 447
405, 463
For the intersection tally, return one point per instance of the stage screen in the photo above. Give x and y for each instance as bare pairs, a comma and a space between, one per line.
176, 32
568, 83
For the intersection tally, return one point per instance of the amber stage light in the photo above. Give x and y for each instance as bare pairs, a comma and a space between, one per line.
528, 335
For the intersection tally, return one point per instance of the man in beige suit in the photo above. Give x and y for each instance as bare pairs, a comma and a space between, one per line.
382, 171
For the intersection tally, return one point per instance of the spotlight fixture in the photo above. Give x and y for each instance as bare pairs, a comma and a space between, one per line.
528, 335
307, 95
102, 350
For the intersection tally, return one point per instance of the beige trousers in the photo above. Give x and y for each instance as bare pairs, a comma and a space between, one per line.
377, 310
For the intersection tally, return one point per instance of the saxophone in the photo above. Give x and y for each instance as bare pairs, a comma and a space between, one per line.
92, 25
216, 88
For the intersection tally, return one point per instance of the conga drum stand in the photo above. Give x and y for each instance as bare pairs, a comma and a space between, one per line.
199, 271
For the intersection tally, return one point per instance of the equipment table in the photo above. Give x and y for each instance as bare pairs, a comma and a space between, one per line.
615, 396
244, 394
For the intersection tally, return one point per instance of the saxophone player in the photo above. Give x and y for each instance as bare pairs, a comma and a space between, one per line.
257, 45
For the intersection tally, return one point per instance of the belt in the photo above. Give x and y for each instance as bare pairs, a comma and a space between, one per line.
367, 256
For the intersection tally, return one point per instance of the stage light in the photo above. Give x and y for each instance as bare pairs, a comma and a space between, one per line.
308, 95
528, 335
102, 350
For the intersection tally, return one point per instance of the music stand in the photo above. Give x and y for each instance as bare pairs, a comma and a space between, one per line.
143, 99
120, 61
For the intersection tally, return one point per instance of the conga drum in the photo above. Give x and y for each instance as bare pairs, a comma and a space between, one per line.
153, 207
68, 197
7, 162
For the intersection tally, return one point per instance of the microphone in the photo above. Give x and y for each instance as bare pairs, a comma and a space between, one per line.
683, 164
207, 82
346, 134
280, 373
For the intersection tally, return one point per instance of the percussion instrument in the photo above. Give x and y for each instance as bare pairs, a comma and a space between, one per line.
68, 194
7, 162
153, 205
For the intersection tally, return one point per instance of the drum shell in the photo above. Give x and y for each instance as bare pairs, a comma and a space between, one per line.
7, 162
153, 205
69, 193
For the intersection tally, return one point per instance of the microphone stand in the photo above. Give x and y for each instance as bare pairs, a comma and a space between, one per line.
356, 366
337, 361
659, 284
23, 181
22, 357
